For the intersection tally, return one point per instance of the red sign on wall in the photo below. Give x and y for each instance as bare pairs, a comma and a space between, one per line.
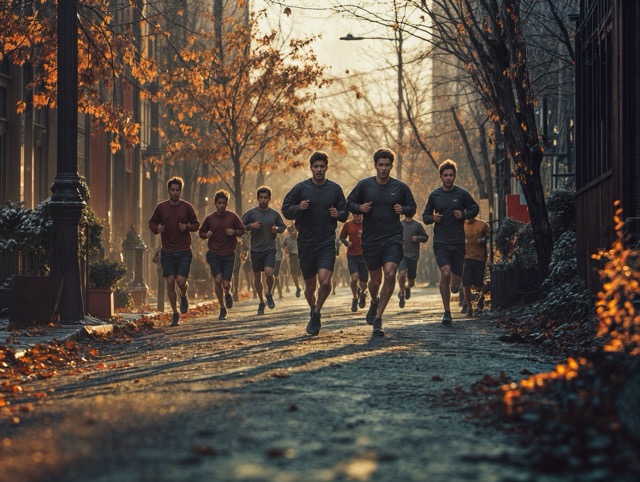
517, 208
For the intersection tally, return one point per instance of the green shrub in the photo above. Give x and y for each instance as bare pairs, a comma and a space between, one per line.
122, 299
106, 273
514, 245
561, 208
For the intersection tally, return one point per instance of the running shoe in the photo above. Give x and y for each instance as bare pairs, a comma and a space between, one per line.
377, 327
175, 321
362, 298
270, 303
313, 327
298, 290
446, 319
354, 305
455, 289
371, 314
407, 292
261, 308
223, 314
228, 300
402, 302
470, 313
184, 304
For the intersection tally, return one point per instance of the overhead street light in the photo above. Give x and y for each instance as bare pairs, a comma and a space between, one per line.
350, 36
399, 40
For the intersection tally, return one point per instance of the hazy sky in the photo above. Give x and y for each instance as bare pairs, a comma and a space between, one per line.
338, 55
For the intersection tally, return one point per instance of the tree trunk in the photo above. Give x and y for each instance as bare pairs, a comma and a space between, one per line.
237, 186
534, 194
472, 160
486, 164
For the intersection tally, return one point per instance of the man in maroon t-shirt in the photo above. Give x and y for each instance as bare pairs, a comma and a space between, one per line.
222, 228
350, 236
175, 220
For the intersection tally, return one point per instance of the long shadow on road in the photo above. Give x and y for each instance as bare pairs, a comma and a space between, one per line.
254, 398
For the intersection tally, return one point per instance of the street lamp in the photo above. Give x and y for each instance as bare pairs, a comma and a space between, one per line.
399, 39
66, 203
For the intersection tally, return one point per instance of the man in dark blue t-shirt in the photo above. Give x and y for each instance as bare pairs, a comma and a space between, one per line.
448, 206
316, 205
382, 200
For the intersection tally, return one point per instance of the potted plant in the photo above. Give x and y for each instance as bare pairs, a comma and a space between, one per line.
105, 277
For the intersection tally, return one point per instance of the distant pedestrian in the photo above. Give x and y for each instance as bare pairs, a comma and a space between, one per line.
382, 200
290, 246
174, 220
264, 224
476, 232
413, 234
448, 206
316, 205
351, 237
221, 229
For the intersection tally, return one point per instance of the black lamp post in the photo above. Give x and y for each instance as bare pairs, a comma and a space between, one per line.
66, 201
399, 39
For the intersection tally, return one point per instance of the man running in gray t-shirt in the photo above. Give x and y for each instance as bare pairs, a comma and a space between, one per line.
448, 206
264, 224
413, 234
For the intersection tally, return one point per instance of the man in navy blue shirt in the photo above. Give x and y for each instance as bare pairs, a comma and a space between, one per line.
382, 200
316, 205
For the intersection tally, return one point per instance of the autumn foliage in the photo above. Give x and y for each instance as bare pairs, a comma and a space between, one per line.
112, 58
239, 102
575, 403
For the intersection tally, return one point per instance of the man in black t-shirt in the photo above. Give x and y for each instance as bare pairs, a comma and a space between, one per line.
382, 200
448, 206
316, 205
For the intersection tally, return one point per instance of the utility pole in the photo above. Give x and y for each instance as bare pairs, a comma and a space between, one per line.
399, 40
66, 202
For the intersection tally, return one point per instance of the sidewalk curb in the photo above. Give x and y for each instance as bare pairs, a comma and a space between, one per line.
69, 333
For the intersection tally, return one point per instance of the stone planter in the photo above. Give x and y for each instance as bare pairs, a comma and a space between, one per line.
5, 298
100, 303
32, 301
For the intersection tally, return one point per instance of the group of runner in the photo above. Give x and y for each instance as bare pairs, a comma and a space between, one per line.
380, 245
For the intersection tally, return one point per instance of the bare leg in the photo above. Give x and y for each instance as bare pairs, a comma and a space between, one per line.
171, 292
468, 298
310, 292
402, 279
445, 283
353, 284
218, 289
257, 283
324, 279
181, 281
375, 280
388, 287
268, 272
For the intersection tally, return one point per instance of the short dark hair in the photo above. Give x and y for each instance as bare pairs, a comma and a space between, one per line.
319, 156
263, 189
448, 164
175, 180
384, 153
220, 194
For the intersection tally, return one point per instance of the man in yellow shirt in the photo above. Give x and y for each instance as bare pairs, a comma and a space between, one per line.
476, 234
